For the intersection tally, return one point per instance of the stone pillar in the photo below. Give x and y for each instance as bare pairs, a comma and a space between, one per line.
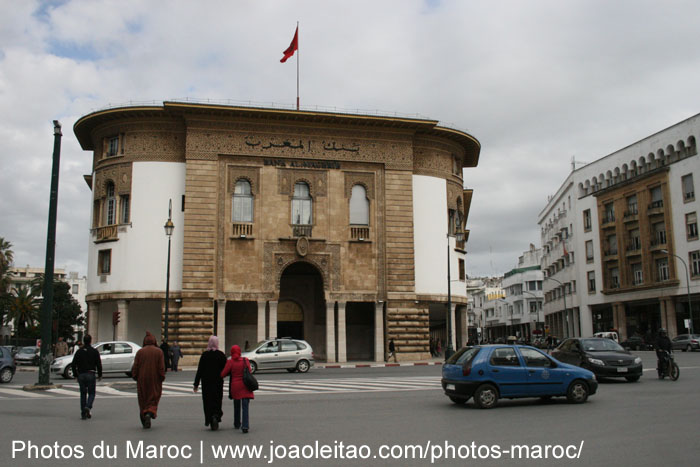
453, 326
122, 333
272, 330
330, 331
221, 324
342, 337
621, 320
261, 320
93, 312
379, 332
668, 316
575, 312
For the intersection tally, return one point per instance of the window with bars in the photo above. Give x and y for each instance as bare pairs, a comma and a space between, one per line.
242, 210
662, 269
302, 204
111, 205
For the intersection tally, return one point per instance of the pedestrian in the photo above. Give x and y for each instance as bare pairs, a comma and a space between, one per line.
166, 353
438, 348
211, 364
432, 347
86, 366
175, 355
392, 350
149, 372
61, 348
236, 389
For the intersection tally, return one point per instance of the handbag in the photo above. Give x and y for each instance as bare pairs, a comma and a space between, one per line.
250, 382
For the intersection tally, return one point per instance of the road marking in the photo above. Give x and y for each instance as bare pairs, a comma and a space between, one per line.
22, 393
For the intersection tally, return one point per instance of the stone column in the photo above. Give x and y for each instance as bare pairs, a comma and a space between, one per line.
221, 324
123, 325
668, 316
261, 320
379, 332
93, 312
342, 337
575, 312
272, 330
454, 328
330, 331
621, 321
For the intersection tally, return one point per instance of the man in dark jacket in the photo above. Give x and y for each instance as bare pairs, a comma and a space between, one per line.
662, 345
86, 366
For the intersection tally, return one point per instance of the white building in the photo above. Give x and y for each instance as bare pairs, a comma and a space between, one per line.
524, 297
617, 238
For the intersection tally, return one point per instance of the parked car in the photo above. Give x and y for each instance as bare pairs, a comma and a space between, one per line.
116, 357
609, 335
636, 343
603, 356
290, 354
28, 355
686, 342
7, 365
492, 372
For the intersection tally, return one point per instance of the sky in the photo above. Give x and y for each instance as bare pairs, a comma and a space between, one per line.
537, 82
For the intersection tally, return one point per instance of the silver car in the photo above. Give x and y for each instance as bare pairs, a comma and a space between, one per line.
686, 342
116, 357
290, 354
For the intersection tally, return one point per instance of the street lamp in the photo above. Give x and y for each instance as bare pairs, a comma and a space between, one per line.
566, 316
449, 350
169, 227
687, 282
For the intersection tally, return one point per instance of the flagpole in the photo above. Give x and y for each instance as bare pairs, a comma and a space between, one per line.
297, 65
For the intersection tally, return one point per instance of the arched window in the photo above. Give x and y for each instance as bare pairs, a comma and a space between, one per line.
111, 203
242, 202
301, 204
359, 206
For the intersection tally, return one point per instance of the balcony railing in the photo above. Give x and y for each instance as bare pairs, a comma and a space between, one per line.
242, 230
299, 230
359, 233
106, 233
656, 204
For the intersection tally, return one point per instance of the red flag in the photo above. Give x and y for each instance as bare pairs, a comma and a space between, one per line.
293, 47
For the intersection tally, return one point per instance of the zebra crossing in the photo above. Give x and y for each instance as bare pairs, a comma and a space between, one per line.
300, 386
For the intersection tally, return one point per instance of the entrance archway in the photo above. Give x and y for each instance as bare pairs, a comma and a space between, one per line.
301, 311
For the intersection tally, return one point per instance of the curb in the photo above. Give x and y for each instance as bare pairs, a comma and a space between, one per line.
372, 365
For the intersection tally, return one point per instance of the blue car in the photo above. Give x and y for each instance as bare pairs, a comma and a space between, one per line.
491, 372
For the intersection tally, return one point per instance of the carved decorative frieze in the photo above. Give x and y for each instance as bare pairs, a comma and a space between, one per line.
454, 192
366, 179
119, 174
316, 179
279, 255
251, 174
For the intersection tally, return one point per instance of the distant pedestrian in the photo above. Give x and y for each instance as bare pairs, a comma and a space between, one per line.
61, 348
438, 348
175, 355
211, 364
86, 366
166, 353
149, 372
432, 347
392, 350
237, 391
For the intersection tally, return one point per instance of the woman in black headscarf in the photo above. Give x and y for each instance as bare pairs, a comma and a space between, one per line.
211, 363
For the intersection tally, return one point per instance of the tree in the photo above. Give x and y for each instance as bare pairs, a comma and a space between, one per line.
22, 308
6, 258
66, 311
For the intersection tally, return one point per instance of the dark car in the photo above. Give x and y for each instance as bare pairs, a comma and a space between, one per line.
636, 343
686, 342
491, 372
7, 365
28, 355
604, 357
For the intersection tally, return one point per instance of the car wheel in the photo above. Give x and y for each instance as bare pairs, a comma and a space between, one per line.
689, 348
68, 372
457, 400
253, 366
675, 372
486, 396
291, 370
303, 366
578, 392
632, 378
5, 375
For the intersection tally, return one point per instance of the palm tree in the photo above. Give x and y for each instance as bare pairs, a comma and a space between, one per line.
22, 308
6, 257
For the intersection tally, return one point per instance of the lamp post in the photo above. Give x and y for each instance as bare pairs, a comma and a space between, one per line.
448, 349
169, 227
566, 316
687, 282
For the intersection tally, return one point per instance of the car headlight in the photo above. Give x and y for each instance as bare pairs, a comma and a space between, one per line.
637, 360
596, 361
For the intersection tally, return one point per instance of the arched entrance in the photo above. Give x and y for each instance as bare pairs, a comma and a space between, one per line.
301, 311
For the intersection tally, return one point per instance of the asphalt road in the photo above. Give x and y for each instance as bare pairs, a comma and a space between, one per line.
377, 411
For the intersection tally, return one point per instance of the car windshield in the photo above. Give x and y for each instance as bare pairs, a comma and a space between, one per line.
462, 355
27, 350
598, 345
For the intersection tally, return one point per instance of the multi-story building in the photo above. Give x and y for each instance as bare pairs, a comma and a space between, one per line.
490, 310
618, 236
524, 297
335, 228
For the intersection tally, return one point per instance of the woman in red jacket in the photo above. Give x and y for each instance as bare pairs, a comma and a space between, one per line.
237, 391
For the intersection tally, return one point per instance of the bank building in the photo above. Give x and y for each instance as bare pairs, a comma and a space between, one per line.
344, 230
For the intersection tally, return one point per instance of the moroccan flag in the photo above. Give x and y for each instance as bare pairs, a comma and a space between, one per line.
293, 47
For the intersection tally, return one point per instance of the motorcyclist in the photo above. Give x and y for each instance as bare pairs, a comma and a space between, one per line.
662, 346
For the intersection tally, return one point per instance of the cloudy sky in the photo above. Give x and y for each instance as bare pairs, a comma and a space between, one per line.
537, 82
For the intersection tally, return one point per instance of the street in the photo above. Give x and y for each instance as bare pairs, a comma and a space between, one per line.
401, 410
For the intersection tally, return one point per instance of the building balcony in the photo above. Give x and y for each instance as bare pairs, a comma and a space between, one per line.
301, 230
107, 233
242, 230
659, 241
656, 207
607, 220
631, 216
359, 233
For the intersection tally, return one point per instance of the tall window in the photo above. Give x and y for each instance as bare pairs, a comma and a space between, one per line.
634, 242
113, 146
688, 188
691, 226
609, 213
359, 206
657, 200
111, 203
591, 281
242, 202
587, 220
125, 209
632, 205
637, 275
662, 269
589, 250
612, 244
104, 262
694, 257
658, 230
301, 204
614, 278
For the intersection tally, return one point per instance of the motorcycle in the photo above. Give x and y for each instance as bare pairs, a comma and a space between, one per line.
668, 367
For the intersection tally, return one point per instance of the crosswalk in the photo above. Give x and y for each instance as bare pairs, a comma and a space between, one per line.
267, 388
